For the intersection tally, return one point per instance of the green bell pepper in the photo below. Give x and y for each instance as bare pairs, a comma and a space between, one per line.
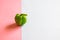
20, 19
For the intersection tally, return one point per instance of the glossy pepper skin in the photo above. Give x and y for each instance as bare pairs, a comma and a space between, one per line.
20, 19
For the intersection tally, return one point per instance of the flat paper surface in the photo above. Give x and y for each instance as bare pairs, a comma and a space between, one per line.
43, 19
8, 10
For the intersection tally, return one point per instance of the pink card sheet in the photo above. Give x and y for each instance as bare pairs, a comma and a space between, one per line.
8, 29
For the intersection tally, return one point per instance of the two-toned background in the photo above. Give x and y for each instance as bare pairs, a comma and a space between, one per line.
43, 20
